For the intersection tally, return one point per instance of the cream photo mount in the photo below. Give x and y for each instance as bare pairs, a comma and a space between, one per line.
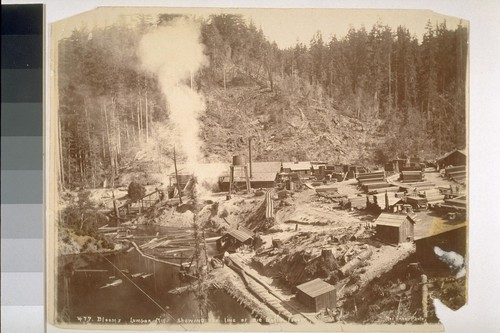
178, 196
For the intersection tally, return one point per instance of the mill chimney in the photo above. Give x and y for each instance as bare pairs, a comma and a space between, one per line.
250, 155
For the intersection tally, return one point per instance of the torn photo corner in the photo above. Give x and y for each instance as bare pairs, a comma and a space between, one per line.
257, 169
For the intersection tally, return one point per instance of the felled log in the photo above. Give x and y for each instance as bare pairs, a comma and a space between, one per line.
350, 266
358, 233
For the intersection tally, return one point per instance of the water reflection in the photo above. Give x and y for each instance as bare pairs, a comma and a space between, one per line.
142, 295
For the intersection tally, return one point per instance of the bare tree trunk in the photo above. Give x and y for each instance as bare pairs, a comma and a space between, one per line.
69, 168
224, 75
103, 148
80, 165
138, 122
390, 76
147, 118
119, 137
108, 136
396, 92
133, 134
90, 147
270, 76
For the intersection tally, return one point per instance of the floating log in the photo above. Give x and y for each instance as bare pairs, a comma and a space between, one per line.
153, 258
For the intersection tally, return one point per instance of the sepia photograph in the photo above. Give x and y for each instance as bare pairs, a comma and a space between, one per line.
257, 169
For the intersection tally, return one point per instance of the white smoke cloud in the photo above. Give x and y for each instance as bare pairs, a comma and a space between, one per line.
175, 53
455, 261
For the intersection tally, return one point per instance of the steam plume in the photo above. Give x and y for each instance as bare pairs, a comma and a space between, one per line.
174, 53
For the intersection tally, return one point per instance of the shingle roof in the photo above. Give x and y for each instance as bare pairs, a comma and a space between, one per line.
316, 165
242, 234
265, 171
462, 151
381, 199
297, 166
214, 168
393, 220
315, 287
261, 172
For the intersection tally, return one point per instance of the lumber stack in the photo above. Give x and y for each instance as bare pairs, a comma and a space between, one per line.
411, 176
433, 196
373, 186
456, 204
358, 202
374, 182
458, 173
421, 186
377, 176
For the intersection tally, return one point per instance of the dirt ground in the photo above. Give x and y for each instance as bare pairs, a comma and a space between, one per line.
306, 225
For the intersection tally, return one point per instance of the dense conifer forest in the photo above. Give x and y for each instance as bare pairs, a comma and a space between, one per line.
408, 94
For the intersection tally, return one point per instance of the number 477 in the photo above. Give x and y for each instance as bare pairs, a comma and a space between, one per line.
84, 319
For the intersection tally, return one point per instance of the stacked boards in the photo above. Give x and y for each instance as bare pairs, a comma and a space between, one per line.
412, 176
433, 196
375, 182
457, 173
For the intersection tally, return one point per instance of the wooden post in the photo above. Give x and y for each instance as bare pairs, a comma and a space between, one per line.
177, 178
231, 180
247, 179
424, 296
250, 155
117, 212
205, 249
386, 201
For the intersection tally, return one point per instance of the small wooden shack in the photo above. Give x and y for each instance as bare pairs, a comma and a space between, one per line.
303, 169
235, 238
395, 228
263, 175
453, 158
317, 295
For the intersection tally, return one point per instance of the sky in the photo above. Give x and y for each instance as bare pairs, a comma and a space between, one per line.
284, 26
301, 25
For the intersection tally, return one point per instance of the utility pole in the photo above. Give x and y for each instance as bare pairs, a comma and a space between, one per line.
250, 155
177, 178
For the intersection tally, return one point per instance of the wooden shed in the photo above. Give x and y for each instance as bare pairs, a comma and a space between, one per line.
235, 238
302, 168
453, 158
317, 295
264, 175
395, 228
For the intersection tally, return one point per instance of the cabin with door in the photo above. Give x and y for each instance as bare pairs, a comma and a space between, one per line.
317, 295
395, 228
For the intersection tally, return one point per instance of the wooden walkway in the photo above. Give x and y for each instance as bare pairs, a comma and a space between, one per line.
153, 258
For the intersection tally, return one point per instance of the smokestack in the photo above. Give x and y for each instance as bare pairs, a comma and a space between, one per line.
250, 155
386, 201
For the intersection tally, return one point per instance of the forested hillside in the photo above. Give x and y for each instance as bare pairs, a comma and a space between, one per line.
364, 97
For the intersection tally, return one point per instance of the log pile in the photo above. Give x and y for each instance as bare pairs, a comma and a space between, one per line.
458, 173
351, 265
412, 176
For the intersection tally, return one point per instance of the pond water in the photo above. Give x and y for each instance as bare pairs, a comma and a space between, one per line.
82, 294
